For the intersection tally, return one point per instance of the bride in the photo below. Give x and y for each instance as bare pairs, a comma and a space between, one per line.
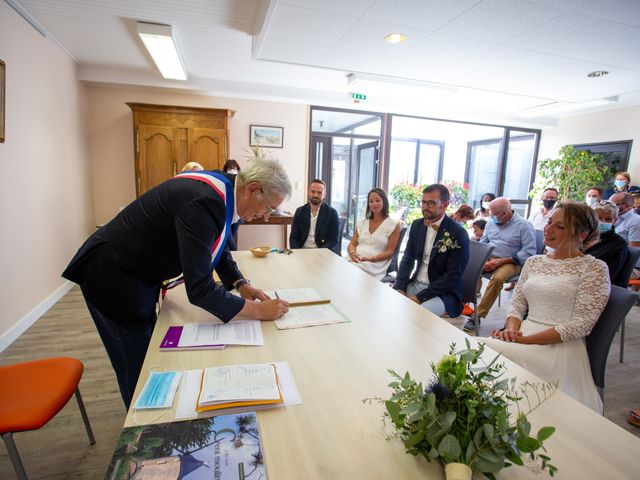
564, 293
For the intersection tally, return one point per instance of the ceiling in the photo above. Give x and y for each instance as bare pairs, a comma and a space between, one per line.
485, 60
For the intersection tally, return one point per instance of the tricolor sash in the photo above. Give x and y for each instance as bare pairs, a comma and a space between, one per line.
224, 189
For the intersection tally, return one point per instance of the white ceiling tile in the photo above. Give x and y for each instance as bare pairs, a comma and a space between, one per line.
289, 51
353, 59
424, 14
369, 35
499, 20
310, 26
622, 11
438, 47
585, 38
343, 7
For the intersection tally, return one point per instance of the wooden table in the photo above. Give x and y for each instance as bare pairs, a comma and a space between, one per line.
333, 435
283, 220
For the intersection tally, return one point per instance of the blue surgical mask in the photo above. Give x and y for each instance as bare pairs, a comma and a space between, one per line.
495, 220
159, 390
604, 227
620, 183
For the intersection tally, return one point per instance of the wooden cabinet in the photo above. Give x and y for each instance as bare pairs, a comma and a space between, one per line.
168, 137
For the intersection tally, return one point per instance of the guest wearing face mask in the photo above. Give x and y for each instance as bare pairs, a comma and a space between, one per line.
609, 247
628, 223
621, 184
482, 213
593, 195
231, 166
540, 217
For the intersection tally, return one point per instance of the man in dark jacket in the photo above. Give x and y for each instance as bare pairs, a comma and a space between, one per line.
315, 224
438, 249
179, 227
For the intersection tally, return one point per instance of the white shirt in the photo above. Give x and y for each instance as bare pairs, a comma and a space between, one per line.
539, 219
310, 242
423, 271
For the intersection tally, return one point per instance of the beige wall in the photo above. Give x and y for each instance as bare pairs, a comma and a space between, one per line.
609, 126
111, 140
45, 190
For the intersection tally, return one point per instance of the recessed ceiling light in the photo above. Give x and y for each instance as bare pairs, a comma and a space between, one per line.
597, 73
395, 38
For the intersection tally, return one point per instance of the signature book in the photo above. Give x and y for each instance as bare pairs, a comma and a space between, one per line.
195, 336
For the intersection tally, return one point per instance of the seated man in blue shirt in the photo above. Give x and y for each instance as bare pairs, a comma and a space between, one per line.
514, 241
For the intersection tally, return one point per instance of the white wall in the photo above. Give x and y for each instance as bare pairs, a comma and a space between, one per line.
45, 190
609, 126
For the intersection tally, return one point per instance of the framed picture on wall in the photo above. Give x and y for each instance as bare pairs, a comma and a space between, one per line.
2, 99
262, 136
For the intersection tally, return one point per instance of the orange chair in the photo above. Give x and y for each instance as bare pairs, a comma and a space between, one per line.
32, 393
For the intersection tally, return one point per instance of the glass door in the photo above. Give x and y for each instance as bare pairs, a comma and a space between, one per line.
366, 169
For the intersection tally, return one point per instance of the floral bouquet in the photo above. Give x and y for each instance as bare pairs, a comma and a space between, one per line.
463, 417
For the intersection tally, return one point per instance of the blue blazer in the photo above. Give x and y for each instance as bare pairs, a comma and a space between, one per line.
445, 268
326, 228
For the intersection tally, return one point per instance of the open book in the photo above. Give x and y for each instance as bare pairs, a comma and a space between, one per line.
238, 386
298, 297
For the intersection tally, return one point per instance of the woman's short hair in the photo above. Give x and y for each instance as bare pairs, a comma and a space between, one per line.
385, 203
269, 173
464, 213
607, 206
580, 218
624, 174
231, 164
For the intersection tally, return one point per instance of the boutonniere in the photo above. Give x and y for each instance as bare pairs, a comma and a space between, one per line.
447, 243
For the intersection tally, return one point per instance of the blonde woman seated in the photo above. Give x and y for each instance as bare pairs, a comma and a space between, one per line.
376, 237
564, 293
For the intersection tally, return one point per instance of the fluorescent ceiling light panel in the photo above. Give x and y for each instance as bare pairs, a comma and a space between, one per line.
380, 85
562, 107
163, 48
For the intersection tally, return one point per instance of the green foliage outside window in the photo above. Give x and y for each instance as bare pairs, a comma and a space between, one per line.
573, 172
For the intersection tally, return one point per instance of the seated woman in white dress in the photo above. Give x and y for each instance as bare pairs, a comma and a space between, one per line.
564, 293
376, 237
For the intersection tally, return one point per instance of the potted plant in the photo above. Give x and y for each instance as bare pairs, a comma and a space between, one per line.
463, 419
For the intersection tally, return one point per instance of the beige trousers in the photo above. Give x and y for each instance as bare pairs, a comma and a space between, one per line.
500, 275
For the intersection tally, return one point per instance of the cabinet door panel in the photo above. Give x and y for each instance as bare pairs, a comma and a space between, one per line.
208, 147
156, 158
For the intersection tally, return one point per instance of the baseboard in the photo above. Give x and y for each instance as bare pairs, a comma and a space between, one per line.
30, 318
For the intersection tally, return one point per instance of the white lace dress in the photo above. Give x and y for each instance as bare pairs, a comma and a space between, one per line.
370, 244
568, 295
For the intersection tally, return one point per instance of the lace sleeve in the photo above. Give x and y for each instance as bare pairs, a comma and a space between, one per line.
519, 305
592, 296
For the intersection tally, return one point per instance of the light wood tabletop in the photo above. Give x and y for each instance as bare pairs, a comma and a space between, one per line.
332, 434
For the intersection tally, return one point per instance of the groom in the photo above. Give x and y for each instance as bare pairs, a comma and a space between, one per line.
440, 247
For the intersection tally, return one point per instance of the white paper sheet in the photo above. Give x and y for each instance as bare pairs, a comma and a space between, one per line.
296, 295
190, 388
236, 332
309, 316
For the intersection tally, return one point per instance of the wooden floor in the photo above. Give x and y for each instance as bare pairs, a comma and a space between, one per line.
61, 450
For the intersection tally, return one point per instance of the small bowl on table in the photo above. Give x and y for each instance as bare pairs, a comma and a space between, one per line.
260, 251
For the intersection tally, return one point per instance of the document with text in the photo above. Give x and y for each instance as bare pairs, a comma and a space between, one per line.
212, 335
310, 316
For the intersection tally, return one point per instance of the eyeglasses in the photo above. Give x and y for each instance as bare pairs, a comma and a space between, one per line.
604, 203
430, 203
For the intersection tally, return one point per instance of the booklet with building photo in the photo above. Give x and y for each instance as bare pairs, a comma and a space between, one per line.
226, 447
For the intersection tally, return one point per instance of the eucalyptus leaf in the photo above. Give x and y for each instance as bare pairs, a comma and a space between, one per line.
545, 432
449, 448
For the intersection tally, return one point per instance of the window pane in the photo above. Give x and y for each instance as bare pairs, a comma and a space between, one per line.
483, 169
403, 162
326, 121
428, 166
517, 175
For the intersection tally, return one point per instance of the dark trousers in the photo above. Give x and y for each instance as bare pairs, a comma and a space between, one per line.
126, 349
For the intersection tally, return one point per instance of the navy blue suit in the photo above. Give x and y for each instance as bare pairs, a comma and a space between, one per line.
326, 228
445, 268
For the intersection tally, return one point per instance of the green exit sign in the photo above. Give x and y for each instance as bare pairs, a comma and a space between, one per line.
358, 97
